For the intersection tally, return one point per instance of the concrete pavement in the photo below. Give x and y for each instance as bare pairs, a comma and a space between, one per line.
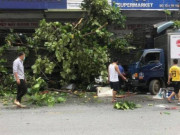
76, 118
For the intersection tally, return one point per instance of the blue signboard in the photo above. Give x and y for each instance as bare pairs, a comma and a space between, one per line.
33, 4
147, 4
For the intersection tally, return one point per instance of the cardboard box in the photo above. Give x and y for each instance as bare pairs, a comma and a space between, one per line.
104, 92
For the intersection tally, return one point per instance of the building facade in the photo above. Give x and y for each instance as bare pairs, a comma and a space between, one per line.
24, 15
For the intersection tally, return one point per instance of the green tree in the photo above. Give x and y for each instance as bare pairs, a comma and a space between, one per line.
79, 52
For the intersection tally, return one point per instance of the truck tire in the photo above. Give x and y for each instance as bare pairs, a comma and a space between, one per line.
154, 86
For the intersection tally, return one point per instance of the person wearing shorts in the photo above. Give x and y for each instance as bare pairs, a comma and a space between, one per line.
113, 73
174, 74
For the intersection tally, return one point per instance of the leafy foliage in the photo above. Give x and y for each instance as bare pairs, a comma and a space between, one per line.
7, 85
177, 24
126, 105
36, 85
78, 51
37, 95
122, 44
104, 12
46, 98
167, 12
3, 48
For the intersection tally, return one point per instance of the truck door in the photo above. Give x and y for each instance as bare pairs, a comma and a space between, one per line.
152, 66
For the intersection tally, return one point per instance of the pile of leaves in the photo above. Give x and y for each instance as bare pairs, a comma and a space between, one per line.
37, 94
46, 98
126, 105
7, 97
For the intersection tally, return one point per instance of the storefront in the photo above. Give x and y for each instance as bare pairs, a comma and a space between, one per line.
27, 13
24, 15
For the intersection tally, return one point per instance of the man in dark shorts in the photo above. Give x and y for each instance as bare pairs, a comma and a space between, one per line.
113, 73
174, 74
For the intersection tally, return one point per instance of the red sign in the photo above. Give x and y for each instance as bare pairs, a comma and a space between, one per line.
178, 43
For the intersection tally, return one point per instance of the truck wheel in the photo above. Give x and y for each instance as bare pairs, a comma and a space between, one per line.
154, 86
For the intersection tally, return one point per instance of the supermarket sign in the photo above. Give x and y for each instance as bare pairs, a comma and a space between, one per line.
41, 4
33, 4
147, 4
76, 4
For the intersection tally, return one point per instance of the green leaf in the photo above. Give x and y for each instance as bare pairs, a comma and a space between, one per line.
61, 99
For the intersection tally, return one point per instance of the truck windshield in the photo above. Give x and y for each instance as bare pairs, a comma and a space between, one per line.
153, 57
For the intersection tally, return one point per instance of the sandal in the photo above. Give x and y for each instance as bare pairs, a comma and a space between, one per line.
113, 101
169, 101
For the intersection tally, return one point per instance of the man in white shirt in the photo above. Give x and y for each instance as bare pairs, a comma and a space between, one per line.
18, 71
113, 73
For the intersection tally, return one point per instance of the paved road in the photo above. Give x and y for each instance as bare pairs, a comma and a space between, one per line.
91, 119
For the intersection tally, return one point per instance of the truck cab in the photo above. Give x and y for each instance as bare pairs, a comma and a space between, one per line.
149, 71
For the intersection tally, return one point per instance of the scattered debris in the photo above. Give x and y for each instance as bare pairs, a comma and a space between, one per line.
161, 106
120, 96
80, 94
168, 113
127, 94
121, 92
69, 87
100, 79
58, 90
161, 94
150, 105
138, 106
158, 96
92, 87
171, 108
166, 107
126, 105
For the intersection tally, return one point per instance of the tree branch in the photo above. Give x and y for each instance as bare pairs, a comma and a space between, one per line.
95, 31
79, 22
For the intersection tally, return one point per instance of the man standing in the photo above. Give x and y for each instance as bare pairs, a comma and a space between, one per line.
18, 71
121, 69
174, 74
113, 72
